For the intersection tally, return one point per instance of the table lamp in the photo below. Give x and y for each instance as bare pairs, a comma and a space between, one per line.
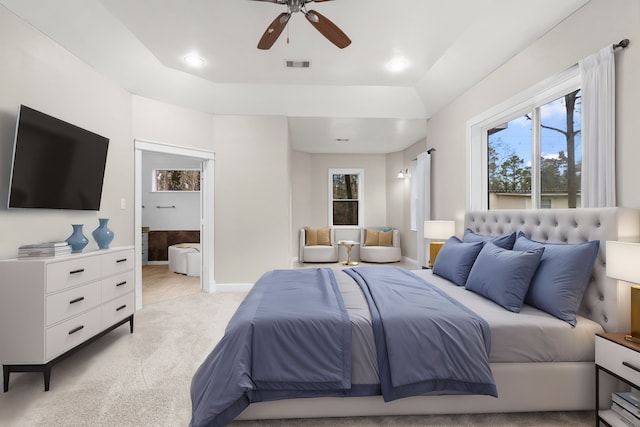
622, 259
437, 232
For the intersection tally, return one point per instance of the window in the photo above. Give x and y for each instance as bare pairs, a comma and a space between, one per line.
527, 153
345, 197
176, 180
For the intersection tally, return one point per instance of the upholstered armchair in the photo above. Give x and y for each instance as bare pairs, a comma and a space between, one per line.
380, 245
317, 245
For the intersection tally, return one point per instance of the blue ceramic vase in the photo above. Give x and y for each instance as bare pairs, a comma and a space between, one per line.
77, 240
103, 235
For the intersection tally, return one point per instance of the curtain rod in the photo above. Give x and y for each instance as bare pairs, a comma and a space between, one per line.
429, 151
622, 43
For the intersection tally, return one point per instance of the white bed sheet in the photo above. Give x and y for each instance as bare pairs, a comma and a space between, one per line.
529, 336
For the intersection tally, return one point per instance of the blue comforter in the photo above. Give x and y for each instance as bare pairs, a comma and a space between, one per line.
291, 338
427, 343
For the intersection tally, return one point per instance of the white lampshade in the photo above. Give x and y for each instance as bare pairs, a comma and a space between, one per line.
439, 230
622, 261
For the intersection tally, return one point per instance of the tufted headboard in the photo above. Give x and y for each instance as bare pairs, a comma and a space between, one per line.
604, 301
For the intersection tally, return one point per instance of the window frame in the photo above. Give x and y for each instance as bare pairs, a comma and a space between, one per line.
154, 181
347, 171
527, 101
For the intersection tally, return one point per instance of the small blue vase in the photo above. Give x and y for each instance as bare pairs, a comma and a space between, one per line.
103, 235
77, 240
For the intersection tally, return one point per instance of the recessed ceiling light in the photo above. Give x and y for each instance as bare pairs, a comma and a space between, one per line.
194, 60
398, 64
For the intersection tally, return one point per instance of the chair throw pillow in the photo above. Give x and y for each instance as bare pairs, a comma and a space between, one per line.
386, 238
317, 236
372, 237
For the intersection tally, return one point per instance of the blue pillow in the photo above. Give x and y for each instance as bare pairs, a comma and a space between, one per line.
505, 241
562, 277
503, 275
455, 259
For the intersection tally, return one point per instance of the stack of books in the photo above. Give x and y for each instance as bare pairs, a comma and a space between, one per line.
627, 406
46, 249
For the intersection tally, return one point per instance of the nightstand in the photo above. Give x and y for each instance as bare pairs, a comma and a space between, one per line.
621, 359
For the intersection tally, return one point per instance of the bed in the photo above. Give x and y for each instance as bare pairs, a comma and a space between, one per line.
537, 361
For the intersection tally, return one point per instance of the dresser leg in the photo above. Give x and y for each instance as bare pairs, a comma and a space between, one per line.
5, 374
131, 323
46, 373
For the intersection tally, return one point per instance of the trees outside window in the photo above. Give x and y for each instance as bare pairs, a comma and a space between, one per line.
176, 180
345, 197
537, 156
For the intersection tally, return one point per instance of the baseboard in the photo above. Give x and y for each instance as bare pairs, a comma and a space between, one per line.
233, 287
408, 260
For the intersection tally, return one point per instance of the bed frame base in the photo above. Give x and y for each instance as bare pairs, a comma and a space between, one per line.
522, 387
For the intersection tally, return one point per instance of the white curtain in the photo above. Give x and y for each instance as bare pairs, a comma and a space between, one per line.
423, 204
598, 129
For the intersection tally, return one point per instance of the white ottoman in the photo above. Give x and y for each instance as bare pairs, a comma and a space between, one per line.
184, 258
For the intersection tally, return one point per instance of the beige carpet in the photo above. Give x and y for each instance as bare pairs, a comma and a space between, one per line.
160, 284
143, 379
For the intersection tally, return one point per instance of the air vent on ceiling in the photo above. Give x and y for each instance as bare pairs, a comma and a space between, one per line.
296, 64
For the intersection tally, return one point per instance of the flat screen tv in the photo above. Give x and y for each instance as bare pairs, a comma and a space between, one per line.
56, 165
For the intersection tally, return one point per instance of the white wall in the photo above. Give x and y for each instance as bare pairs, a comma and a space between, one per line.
38, 73
597, 24
185, 215
252, 197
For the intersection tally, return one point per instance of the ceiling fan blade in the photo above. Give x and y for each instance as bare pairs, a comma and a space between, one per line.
275, 1
328, 29
273, 32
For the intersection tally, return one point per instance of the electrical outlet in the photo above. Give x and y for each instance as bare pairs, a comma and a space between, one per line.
123, 203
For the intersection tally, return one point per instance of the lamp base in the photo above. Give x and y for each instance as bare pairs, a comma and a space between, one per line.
434, 248
632, 339
635, 314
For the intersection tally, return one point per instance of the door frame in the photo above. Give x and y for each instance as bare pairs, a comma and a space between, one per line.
207, 159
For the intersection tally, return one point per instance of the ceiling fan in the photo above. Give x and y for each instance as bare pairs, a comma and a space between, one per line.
319, 21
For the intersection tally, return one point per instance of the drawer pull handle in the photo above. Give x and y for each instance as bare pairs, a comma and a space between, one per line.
121, 283
73, 301
80, 270
121, 307
121, 260
74, 330
629, 365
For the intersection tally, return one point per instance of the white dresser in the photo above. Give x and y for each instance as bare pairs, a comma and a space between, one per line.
51, 307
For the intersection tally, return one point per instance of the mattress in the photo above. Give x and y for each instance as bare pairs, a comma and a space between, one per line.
529, 336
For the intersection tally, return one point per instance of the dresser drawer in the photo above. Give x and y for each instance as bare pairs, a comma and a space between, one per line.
72, 332
117, 262
72, 302
61, 275
615, 357
117, 309
115, 286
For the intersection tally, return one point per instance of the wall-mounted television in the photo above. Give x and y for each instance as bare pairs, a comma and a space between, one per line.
56, 165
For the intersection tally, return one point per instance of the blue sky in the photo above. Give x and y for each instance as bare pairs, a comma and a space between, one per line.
517, 136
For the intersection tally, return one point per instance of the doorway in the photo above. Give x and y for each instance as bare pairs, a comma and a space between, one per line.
205, 159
